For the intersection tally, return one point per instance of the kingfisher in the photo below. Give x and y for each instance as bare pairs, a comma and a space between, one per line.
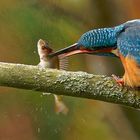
122, 41
57, 63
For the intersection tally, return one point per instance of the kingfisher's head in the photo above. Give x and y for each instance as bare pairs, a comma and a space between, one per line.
43, 48
101, 41
97, 42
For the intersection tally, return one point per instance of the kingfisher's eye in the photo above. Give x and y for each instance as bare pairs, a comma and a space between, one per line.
82, 48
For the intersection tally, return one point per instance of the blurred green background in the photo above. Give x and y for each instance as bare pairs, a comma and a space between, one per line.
28, 115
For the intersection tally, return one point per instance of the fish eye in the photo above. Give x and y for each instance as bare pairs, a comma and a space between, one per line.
43, 47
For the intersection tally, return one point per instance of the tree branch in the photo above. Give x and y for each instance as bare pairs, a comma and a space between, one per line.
77, 84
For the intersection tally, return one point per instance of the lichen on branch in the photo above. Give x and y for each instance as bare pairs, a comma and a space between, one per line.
76, 84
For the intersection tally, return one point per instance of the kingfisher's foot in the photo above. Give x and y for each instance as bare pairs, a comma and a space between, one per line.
120, 81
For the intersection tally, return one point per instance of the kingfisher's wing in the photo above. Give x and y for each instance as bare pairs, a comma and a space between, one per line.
128, 43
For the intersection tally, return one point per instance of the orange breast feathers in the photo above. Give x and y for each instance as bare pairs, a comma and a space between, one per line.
132, 71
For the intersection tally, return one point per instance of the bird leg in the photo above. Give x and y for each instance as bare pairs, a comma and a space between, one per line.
119, 81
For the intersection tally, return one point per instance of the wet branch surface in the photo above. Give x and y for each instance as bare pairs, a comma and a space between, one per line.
76, 84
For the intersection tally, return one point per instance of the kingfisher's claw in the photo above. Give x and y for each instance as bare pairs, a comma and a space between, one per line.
119, 81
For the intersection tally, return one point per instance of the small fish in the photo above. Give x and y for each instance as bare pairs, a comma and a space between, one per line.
52, 62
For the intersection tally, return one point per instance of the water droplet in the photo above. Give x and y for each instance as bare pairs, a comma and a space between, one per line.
45, 93
38, 130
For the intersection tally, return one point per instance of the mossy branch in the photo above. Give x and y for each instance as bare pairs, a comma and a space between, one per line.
76, 84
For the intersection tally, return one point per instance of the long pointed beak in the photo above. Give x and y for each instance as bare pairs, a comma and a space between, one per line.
66, 50
75, 49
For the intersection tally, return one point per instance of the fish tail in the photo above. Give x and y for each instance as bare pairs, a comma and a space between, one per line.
60, 107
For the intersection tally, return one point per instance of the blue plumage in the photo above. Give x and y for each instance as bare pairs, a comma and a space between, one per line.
129, 42
103, 37
125, 36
